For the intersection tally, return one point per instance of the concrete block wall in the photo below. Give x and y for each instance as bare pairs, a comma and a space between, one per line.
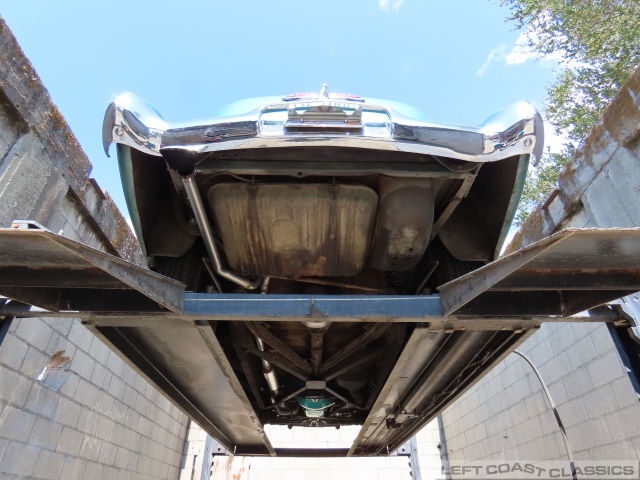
505, 416
105, 421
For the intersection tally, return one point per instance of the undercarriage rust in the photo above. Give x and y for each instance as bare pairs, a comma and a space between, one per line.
346, 368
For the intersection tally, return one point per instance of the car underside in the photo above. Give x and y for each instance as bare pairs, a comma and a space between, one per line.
328, 196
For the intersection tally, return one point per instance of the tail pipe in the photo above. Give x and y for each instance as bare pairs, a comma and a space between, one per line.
268, 371
197, 206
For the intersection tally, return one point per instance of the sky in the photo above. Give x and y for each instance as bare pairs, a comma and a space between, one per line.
458, 61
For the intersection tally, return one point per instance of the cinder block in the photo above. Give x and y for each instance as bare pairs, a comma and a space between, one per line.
82, 364
108, 453
20, 459
573, 412
119, 413
521, 389
106, 426
49, 465
107, 381
581, 352
90, 449
128, 375
87, 421
35, 332
122, 458
614, 451
624, 392
70, 386
131, 417
45, 433
548, 423
93, 470
594, 433
98, 376
489, 446
556, 368
602, 339
14, 388
162, 436
140, 384
115, 364
507, 398
542, 352
492, 426
151, 394
133, 441
477, 451
484, 393
16, 424
109, 473
145, 465
61, 325
125, 475
509, 376
146, 448
99, 351
562, 339
130, 396
12, 352
120, 433
600, 401
624, 424
86, 393
73, 468
578, 382
605, 369
496, 386
34, 362
4, 444
134, 460
582, 329
42, 400
143, 426
104, 403
141, 403
80, 336
469, 437
558, 393
529, 451
116, 387
156, 468
70, 442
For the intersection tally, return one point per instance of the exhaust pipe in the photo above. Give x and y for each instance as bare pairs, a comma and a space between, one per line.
268, 371
197, 206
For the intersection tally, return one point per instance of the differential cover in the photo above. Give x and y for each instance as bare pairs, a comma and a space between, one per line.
294, 230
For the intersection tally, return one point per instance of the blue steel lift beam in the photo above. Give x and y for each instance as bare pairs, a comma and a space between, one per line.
454, 338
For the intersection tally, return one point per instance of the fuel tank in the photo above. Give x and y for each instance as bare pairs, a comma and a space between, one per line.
294, 230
